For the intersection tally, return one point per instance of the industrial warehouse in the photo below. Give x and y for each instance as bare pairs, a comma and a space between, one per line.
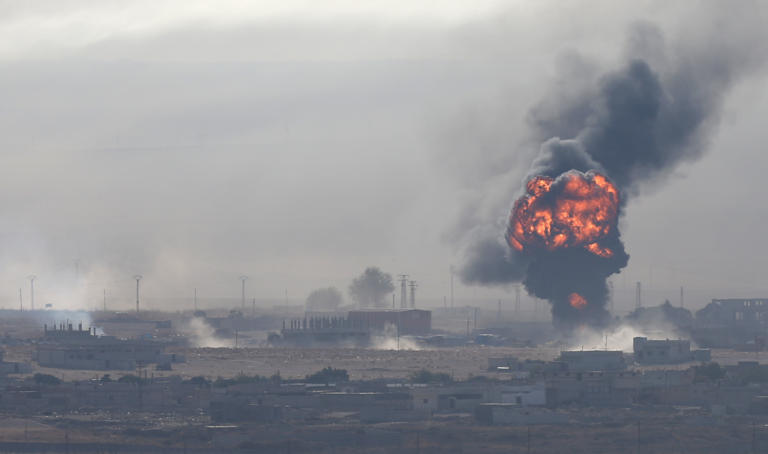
68, 348
356, 329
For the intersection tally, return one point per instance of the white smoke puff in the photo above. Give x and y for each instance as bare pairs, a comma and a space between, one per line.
620, 337
388, 340
202, 335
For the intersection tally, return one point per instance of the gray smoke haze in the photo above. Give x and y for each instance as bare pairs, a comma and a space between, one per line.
299, 143
635, 124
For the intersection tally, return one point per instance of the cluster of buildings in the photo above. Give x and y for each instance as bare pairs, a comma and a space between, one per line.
547, 394
511, 392
67, 347
646, 352
740, 323
649, 351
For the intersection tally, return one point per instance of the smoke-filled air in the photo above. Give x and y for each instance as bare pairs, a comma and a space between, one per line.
374, 227
626, 130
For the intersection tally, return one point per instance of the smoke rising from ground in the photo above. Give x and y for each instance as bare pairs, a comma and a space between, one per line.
619, 337
389, 340
634, 124
202, 335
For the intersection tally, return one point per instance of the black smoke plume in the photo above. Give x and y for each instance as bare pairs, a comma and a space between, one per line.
634, 124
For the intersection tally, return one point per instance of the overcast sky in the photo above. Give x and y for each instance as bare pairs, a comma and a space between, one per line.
298, 142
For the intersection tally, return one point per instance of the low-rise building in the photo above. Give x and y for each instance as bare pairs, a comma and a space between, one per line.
653, 351
417, 322
13, 367
67, 348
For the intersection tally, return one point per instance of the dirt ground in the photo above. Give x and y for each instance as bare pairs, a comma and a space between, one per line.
360, 363
298, 362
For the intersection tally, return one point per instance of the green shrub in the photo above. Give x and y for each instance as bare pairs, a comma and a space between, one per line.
45, 379
425, 376
708, 372
329, 375
130, 378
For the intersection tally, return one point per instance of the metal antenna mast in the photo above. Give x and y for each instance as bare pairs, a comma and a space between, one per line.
413, 286
451, 270
243, 278
403, 297
638, 296
138, 278
21, 303
195, 299
32, 278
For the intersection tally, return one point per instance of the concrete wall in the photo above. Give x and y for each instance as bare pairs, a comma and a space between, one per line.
92, 353
525, 395
650, 351
497, 414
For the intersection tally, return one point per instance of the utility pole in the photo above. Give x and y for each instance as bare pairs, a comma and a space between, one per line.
21, 303
242, 299
138, 278
195, 299
610, 294
413, 286
528, 449
638, 296
32, 292
253, 309
451, 270
403, 283
105, 300
398, 325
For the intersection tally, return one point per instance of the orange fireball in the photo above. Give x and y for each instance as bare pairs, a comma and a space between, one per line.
577, 210
577, 301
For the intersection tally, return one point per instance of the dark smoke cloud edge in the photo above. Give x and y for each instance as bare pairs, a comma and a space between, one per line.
635, 127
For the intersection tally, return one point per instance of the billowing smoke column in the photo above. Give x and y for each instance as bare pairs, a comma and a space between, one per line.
568, 227
633, 126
